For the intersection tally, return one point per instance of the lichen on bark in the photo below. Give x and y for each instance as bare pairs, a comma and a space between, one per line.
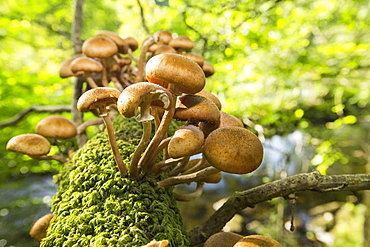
96, 206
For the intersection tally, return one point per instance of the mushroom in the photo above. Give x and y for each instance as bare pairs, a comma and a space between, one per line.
164, 49
199, 59
34, 145
154, 243
65, 68
86, 66
142, 95
120, 42
223, 239
227, 119
208, 69
100, 98
221, 152
211, 97
57, 127
39, 228
162, 37
102, 48
181, 73
257, 241
182, 43
185, 142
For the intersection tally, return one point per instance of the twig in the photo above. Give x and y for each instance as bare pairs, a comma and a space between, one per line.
313, 181
143, 21
34, 108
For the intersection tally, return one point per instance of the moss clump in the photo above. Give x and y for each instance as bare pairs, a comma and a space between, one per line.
95, 206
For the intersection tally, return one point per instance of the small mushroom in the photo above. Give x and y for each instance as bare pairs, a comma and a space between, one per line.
182, 43
199, 59
120, 42
39, 228
257, 241
154, 243
57, 127
208, 69
221, 151
211, 97
185, 142
181, 73
100, 98
140, 96
87, 66
65, 68
223, 239
34, 145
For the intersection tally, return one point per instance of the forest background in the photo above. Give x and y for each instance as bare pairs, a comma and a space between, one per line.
296, 73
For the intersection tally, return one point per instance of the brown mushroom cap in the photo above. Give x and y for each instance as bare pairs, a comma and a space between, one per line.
96, 97
163, 37
132, 43
65, 68
257, 241
86, 64
227, 119
210, 96
195, 108
234, 150
199, 59
39, 228
135, 96
33, 145
222, 239
120, 42
164, 49
175, 69
99, 46
182, 42
57, 127
186, 141
208, 69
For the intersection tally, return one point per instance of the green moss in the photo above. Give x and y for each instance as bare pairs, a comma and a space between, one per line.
95, 206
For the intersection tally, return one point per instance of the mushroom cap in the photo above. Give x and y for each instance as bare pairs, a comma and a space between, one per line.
132, 43
199, 59
175, 69
164, 49
234, 150
39, 228
154, 243
257, 241
99, 46
57, 127
222, 239
86, 64
33, 145
185, 141
182, 42
97, 97
210, 96
195, 108
121, 43
163, 36
208, 69
65, 68
227, 119
139, 94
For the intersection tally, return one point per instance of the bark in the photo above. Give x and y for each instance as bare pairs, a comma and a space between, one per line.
313, 181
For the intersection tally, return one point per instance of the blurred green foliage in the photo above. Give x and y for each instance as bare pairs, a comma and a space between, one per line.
283, 65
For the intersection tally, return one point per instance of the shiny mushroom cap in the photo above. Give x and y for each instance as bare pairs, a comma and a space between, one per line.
33, 145
57, 127
100, 97
257, 241
164, 49
100, 47
86, 64
175, 69
208, 69
195, 108
143, 94
234, 150
186, 141
199, 59
222, 239
162, 37
132, 43
39, 228
182, 42
230, 120
120, 42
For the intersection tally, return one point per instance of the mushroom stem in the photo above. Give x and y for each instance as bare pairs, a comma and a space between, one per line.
148, 157
141, 64
188, 197
132, 56
193, 177
90, 80
180, 166
144, 141
112, 140
163, 165
104, 73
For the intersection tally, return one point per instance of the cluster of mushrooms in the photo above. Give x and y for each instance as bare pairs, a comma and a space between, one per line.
229, 239
165, 83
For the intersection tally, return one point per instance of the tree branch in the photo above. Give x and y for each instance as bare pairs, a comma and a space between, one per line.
280, 188
143, 21
34, 108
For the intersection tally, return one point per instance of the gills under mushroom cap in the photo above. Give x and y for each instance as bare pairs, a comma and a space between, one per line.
221, 152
